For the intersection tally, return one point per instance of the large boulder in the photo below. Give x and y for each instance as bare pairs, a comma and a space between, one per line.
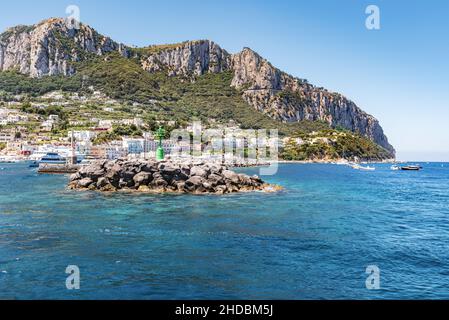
221, 189
142, 178
198, 171
75, 176
102, 182
128, 174
149, 167
215, 179
85, 182
245, 179
169, 169
194, 183
231, 176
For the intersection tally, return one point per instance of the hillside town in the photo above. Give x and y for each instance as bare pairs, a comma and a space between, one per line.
95, 126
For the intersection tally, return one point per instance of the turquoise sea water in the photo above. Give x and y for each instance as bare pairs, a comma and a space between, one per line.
312, 241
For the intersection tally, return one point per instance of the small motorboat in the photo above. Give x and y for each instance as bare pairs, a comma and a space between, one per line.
7, 160
395, 167
34, 164
411, 168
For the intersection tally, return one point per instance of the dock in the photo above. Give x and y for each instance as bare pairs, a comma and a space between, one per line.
50, 168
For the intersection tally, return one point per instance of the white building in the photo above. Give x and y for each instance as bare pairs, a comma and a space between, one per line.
47, 125
138, 122
77, 123
53, 117
105, 124
3, 112
6, 136
84, 135
139, 146
115, 150
133, 146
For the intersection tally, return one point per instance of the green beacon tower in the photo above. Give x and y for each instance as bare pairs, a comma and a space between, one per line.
160, 134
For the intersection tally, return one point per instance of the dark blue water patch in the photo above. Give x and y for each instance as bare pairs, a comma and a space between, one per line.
313, 240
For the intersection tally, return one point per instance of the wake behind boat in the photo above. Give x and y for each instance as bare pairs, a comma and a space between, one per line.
359, 167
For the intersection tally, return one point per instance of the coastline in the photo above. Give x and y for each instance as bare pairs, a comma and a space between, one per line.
336, 162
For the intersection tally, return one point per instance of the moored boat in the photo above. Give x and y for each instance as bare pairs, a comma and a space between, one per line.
8, 159
34, 164
411, 168
53, 158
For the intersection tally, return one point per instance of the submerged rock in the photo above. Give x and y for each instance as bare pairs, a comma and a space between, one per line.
154, 177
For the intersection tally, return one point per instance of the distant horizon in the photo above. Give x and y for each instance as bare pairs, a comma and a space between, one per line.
411, 156
389, 73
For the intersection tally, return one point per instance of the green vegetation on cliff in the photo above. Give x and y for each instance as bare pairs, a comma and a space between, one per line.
332, 145
163, 97
208, 98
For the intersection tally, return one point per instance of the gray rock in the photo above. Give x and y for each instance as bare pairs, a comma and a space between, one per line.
97, 174
149, 167
245, 179
215, 179
102, 182
180, 186
168, 177
221, 189
198, 171
159, 182
127, 175
75, 176
123, 183
208, 186
142, 178
85, 183
170, 170
231, 175
194, 182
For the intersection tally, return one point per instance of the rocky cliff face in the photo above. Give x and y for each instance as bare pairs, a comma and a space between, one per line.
189, 58
289, 99
266, 88
50, 48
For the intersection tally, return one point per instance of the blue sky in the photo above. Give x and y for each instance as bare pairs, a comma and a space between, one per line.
398, 73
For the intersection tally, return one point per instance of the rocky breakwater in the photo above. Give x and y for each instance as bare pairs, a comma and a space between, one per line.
165, 177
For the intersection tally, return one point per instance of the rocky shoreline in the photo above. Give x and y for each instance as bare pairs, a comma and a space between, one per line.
165, 177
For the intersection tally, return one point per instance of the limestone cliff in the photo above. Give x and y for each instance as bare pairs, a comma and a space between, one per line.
49, 47
265, 87
289, 99
188, 58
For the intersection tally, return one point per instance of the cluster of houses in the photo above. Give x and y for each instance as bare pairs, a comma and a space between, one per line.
20, 141
9, 116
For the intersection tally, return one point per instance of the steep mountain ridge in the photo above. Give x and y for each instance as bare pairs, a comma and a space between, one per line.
51, 48
189, 58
